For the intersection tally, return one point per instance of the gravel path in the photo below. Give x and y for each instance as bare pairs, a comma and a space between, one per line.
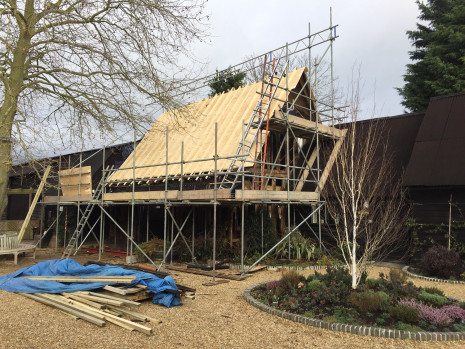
217, 318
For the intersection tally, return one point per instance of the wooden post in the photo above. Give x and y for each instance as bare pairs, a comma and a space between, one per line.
34, 203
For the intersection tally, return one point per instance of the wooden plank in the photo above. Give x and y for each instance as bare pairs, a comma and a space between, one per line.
34, 203
330, 163
122, 290
85, 279
205, 273
83, 300
68, 198
120, 299
276, 195
66, 309
205, 194
112, 318
141, 195
65, 301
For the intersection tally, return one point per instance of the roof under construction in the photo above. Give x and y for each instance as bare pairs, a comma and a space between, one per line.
193, 135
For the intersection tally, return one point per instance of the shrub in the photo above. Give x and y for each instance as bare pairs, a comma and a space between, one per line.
372, 283
291, 278
369, 301
434, 290
405, 313
406, 327
338, 276
441, 262
313, 285
291, 303
327, 261
329, 294
397, 276
432, 299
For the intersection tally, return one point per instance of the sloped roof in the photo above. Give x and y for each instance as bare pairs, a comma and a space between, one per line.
438, 156
197, 132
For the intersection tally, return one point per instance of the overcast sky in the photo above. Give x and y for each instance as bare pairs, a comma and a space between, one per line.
372, 35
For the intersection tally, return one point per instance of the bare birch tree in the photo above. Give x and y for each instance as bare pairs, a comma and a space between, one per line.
364, 196
83, 66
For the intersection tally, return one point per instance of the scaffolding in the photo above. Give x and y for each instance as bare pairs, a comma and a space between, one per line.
293, 160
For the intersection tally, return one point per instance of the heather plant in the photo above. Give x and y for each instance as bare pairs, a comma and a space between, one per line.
272, 285
441, 262
432, 299
435, 316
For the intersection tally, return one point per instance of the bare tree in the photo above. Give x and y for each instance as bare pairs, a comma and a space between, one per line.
364, 196
85, 66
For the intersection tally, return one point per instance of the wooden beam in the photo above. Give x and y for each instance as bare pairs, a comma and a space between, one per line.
21, 191
68, 198
330, 163
34, 203
311, 125
141, 195
275, 195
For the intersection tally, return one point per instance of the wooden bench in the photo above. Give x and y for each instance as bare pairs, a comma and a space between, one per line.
22, 248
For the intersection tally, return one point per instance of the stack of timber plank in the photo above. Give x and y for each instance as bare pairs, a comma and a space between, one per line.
98, 309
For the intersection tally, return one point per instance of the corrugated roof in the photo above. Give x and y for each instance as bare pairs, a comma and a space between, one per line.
197, 132
438, 154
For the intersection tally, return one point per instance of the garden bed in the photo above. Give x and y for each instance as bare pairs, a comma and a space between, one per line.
413, 274
391, 308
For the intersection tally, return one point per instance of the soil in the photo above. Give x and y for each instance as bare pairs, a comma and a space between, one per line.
218, 317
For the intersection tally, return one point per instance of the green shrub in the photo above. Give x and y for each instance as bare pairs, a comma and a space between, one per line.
404, 313
337, 276
369, 301
434, 290
432, 299
459, 327
150, 247
380, 321
406, 327
291, 278
372, 283
397, 276
314, 285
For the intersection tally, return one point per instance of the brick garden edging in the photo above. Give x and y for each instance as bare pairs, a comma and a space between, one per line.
421, 277
287, 267
360, 330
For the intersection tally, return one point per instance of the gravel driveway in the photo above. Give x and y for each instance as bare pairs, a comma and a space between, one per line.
217, 318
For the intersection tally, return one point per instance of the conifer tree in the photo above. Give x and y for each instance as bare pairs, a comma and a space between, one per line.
439, 54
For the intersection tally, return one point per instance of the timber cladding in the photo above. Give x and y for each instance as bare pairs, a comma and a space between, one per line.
76, 181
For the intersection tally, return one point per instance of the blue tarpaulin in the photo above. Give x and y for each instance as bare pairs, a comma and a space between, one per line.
69, 267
